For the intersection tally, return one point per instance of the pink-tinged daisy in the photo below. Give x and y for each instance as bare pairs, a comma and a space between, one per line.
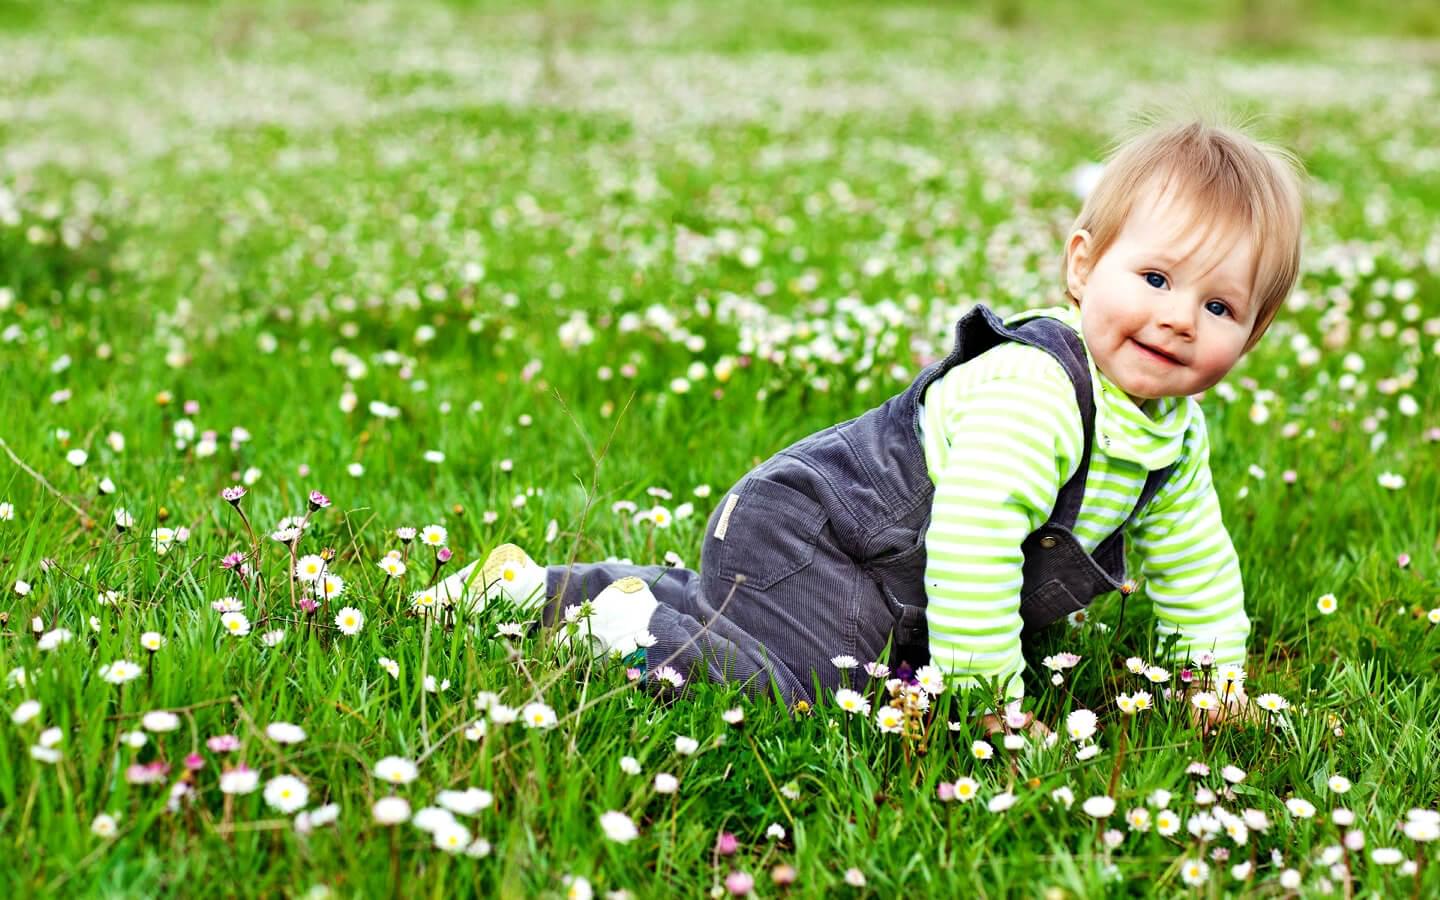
223, 743
1060, 661
740, 884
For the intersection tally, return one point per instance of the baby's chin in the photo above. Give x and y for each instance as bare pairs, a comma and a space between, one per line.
1139, 394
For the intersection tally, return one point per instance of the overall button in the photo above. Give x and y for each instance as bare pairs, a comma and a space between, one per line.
1048, 541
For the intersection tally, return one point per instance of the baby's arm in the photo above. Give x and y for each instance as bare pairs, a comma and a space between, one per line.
1015, 439
1189, 563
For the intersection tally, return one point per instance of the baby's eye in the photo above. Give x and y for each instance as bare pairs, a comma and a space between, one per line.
1152, 277
1222, 311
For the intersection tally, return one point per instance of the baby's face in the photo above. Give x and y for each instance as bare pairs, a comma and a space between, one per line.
1161, 316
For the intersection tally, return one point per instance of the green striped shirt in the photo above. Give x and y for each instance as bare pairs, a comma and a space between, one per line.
1002, 434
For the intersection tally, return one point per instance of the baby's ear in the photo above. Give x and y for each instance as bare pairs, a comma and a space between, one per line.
1078, 261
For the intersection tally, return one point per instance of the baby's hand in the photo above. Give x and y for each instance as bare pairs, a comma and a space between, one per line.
1236, 712
994, 725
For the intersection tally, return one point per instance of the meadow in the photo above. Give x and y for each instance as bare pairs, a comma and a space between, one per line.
427, 278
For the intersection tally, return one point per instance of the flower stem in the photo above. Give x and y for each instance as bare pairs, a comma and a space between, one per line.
1419, 869
424, 670
394, 864
1119, 756
763, 768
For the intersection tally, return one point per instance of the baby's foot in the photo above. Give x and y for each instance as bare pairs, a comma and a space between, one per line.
619, 618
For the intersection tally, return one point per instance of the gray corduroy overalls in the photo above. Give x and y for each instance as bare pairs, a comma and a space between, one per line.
829, 535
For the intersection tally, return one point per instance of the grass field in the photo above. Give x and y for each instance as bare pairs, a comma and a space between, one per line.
523, 271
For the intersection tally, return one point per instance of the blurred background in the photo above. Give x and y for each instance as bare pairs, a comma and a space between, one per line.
778, 208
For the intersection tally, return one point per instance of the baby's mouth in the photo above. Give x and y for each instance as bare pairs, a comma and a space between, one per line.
1157, 354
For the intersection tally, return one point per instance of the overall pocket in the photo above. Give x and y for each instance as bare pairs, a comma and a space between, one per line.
769, 534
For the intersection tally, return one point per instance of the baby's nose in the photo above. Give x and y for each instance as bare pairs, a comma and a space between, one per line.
1178, 315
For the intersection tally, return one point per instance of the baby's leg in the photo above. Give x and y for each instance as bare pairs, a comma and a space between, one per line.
665, 603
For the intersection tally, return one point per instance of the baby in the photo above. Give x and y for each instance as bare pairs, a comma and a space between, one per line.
994, 495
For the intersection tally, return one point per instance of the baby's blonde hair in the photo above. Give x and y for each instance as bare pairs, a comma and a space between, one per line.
1226, 177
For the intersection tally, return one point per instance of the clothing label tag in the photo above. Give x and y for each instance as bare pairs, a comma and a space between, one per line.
724, 522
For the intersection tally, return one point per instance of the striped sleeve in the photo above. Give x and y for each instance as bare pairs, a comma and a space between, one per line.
1191, 570
1014, 440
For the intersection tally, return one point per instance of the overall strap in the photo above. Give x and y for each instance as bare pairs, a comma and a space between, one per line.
1066, 347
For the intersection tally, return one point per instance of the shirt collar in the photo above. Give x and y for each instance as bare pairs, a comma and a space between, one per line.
1153, 436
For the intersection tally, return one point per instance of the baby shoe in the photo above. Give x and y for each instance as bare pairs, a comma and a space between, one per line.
510, 573
619, 618
507, 572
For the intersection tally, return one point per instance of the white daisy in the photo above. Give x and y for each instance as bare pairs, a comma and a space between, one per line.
350, 620
120, 671
286, 793
236, 623
308, 568
396, 770
538, 715
852, 702
618, 827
